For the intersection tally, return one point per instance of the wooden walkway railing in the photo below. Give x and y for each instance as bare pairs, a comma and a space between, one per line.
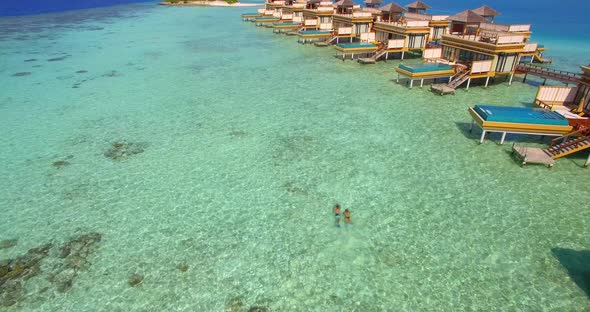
549, 73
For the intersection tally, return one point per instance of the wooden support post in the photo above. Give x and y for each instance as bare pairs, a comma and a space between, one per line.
421, 83
411, 83
503, 138
468, 83
511, 77
483, 136
487, 81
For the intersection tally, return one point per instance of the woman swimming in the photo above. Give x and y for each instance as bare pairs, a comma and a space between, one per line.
347, 216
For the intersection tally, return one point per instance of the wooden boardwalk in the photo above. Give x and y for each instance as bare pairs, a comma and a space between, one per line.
548, 73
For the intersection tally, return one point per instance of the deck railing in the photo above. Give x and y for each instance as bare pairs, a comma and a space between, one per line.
492, 38
356, 14
407, 23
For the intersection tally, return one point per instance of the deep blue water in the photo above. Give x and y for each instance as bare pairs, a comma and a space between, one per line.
550, 17
26, 7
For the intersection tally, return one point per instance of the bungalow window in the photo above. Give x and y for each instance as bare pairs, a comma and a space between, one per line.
506, 63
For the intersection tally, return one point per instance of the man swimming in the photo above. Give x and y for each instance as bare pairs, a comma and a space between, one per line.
337, 214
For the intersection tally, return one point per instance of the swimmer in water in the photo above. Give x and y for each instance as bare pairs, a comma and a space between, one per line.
337, 214
347, 216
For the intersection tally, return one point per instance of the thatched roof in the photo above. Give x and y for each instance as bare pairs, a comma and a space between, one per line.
418, 5
467, 17
392, 8
344, 4
375, 2
486, 11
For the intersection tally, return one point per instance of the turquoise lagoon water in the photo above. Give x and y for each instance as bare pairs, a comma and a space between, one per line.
249, 140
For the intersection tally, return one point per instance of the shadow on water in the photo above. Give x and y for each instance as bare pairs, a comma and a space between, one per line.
577, 264
475, 134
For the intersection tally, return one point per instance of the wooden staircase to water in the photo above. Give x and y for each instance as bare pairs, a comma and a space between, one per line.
569, 144
456, 80
538, 56
373, 59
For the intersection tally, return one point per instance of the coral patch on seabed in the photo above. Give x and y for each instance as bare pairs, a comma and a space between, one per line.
14, 272
234, 305
68, 261
122, 150
56, 59
135, 279
112, 73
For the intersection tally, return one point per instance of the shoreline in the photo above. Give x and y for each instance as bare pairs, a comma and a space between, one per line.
212, 3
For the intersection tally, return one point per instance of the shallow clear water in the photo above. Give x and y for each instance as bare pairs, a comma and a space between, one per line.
249, 141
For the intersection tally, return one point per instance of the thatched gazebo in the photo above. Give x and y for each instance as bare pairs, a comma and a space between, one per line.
487, 12
392, 12
466, 22
373, 3
344, 6
417, 7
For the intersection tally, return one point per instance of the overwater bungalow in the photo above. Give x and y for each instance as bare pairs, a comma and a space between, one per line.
574, 99
479, 49
317, 21
317, 14
398, 34
350, 22
291, 17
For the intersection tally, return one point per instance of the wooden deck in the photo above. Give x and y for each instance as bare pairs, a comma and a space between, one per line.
532, 155
442, 89
367, 60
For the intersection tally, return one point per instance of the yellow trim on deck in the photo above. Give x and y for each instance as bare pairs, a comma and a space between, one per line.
351, 50
426, 75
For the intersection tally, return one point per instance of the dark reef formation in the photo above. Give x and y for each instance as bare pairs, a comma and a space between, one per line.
8, 243
122, 150
21, 74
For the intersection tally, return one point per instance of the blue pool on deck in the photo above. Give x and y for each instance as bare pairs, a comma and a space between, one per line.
356, 45
520, 115
315, 32
424, 68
